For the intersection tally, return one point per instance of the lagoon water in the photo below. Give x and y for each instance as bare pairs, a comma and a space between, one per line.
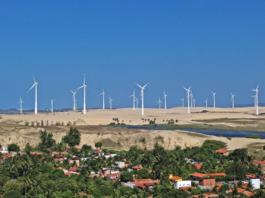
206, 132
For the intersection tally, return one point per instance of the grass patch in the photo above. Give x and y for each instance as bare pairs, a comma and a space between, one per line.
253, 136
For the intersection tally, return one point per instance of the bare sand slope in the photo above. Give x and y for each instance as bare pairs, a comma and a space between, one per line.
130, 117
122, 139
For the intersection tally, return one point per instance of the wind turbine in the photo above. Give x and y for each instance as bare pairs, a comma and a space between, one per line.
103, 93
214, 99
233, 100
84, 86
136, 102
182, 102
256, 97
191, 98
165, 96
142, 94
159, 102
20, 101
52, 105
36, 91
194, 102
254, 100
74, 107
206, 102
133, 100
188, 96
110, 103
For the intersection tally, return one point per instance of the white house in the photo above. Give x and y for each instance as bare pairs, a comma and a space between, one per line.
120, 164
185, 183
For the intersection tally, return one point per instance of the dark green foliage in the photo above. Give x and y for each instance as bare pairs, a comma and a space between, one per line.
171, 121
143, 173
28, 148
12, 194
253, 136
46, 141
213, 144
56, 174
73, 137
126, 176
13, 147
151, 122
98, 144
86, 148
142, 139
112, 123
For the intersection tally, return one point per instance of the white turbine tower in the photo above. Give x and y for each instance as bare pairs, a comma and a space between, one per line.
254, 100
165, 96
110, 103
84, 86
182, 102
257, 99
136, 102
36, 98
103, 93
233, 100
194, 102
52, 106
159, 102
214, 99
74, 103
20, 101
133, 100
191, 98
142, 94
188, 97
206, 102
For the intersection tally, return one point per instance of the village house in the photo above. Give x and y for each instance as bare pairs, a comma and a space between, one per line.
223, 152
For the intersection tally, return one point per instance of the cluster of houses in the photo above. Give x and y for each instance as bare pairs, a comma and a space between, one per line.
204, 181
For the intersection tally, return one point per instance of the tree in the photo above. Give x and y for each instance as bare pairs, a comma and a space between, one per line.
12, 194
126, 176
213, 144
56, 174
13, 147
28, 148
73, 137
46, 141
143, 173
98, 144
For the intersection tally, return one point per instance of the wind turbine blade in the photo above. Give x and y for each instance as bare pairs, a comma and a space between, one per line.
185, 89
31, 87
33, 78
80, 87
145, 85
138, 85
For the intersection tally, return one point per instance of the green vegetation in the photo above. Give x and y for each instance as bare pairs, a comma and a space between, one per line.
28, 175
73, 137
253, 136
13, 147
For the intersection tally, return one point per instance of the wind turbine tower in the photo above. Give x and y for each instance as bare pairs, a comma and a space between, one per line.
133, 100
136, 102
233, 100
36, 91
103, 93
188, 97
257, 101
74, 105
110, 103
159, 102
52, 106
84, 86
142, 94
182, 102
206, 102
191, 98
20, 101
214, 99
165, 96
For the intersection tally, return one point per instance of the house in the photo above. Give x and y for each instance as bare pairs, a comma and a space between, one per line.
137, 167
141, 183
198, 166
58, 153
242, 191
109, 155
104, 172
223, 152
35, 153
207, 195
98, 153
183, 183
120, 164
255, 182
207, 183
200, 176
113, 176
174, 179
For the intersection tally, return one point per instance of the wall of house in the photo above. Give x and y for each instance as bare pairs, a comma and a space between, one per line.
185, 183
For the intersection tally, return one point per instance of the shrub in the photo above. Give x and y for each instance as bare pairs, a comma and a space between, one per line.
112, 123
73, 137
26, 123
213, 144
171, 121
152, 122
142, 139
253, 136
13, 147
12, 194
98, 144
159, 138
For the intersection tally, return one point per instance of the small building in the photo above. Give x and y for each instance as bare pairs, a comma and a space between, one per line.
182, 183
207, 183
223, 152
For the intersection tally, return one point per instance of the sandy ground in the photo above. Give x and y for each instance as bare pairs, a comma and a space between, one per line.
13, 129
130, 117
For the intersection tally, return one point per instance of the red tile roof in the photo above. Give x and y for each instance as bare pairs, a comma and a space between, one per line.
198, 166
137, 167
222, 151
202, 175
259, 162
35, 153
74, 169
97, 152
251, 176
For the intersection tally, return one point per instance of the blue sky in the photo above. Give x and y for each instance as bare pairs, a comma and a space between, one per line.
212, 45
